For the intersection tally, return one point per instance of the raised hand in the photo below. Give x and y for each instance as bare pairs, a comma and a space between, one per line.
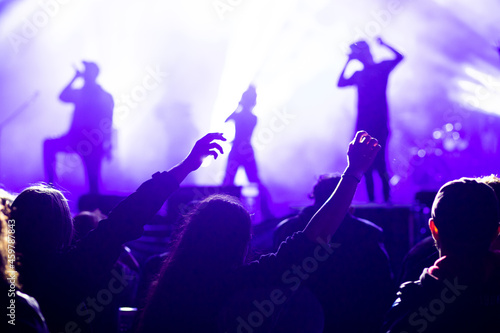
361, 153
204, 147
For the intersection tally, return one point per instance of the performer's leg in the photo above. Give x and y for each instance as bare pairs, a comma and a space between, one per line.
250, 166
384, 176
369, 184
265, 200
50, 149
380, 164
231, 169
92, 164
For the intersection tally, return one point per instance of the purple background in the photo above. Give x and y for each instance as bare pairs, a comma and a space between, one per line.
444, 97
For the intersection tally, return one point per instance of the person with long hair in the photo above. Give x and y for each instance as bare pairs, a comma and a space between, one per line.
205, 269
67, 279
20, 312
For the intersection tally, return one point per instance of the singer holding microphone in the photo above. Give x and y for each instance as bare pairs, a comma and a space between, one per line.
89, 134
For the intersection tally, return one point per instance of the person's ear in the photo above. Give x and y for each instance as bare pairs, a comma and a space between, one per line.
434, 230
496, 235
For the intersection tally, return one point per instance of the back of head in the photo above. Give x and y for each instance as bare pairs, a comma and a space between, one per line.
493, 181
324, 188
85, 222
466, 214
212, 242
216, 232
43, 220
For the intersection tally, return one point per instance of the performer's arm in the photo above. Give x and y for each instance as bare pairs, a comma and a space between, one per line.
68, 93
361, 153
231, 117
398, 55
343, 81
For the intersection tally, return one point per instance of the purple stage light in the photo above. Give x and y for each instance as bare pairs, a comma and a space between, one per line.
178, 70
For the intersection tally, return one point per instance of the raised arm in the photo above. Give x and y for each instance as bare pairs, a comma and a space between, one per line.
68, 93
139, 207
361, 153
204, 147
97, 252
343, 81
398, 55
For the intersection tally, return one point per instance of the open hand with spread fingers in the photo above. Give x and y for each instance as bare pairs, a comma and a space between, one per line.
204, 147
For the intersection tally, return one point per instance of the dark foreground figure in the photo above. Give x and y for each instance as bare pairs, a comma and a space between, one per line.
461, 291
354, 286
205, 286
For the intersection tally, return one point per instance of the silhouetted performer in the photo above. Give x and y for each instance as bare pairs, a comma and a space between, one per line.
371, 82
90, 133
242, 154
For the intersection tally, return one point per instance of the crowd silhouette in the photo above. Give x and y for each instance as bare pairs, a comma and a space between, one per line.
328, 270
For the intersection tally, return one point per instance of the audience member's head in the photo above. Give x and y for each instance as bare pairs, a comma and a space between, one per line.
216, 232
494, 182
324, 188
465, 217
212, 242
85, 222
43, 220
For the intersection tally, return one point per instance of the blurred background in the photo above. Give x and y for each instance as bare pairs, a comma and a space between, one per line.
177, 69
